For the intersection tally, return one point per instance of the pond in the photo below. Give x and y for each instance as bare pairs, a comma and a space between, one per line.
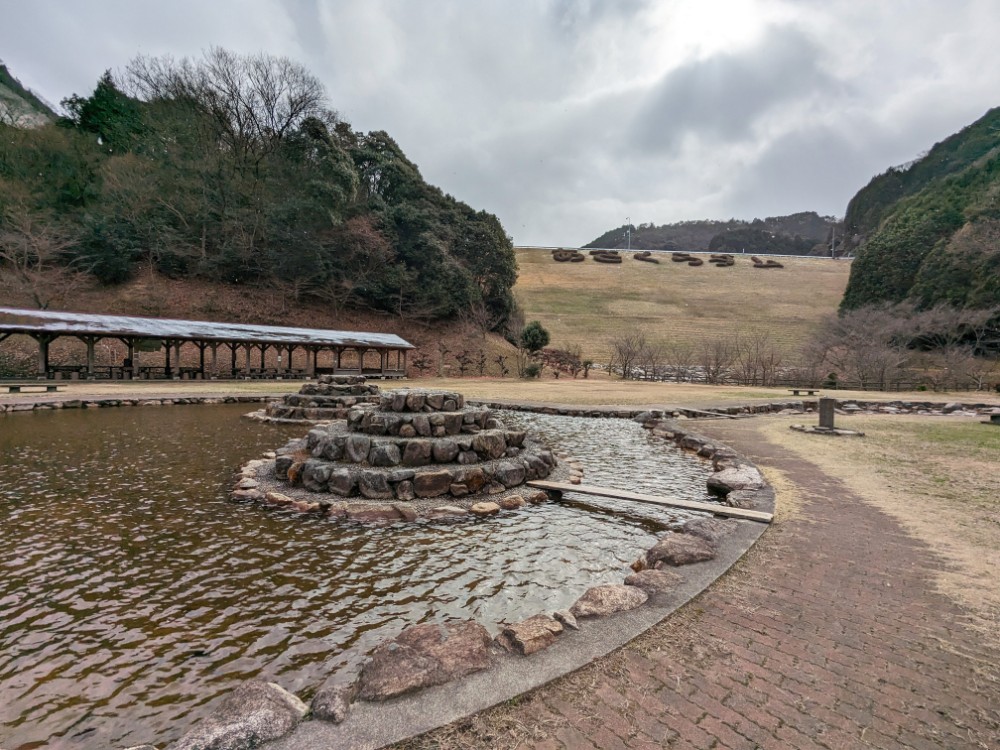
135, 594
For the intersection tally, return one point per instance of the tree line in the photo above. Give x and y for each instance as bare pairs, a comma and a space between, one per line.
878, 347
236, 169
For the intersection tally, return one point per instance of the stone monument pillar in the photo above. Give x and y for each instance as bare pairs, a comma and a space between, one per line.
826, 407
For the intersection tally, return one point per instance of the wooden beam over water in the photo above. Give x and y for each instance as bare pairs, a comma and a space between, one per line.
718, 510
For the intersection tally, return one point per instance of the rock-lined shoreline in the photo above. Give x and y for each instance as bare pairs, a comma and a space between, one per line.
432, 654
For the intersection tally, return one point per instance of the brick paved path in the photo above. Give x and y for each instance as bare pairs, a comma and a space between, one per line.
828, 635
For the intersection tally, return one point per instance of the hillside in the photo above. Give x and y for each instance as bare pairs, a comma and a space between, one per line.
805, 233
589, 303
927, 232
236, 169
19, 106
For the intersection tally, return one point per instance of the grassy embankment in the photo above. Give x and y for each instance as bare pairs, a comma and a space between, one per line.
591, 303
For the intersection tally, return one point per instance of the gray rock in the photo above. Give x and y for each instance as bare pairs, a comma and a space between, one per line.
653, 581
357, 447
417, 452
425, 655
407, 431
333, 702
467, 458
509, 474
432, 483
445, 451
735, 478
374, 485
679, 549
342, 482
404, 490
422, 425
384, 454
489, 444
709, 529
415, 401
255, 713
531, 635
316, 475
606, 600
566, 618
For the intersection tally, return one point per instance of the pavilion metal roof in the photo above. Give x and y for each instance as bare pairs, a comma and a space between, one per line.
13, 320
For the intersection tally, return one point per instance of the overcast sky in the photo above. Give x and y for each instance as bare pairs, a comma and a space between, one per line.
564, 117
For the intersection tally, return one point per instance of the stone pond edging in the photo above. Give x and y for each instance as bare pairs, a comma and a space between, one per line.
102, 402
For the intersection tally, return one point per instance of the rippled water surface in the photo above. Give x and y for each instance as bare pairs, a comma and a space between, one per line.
134, 594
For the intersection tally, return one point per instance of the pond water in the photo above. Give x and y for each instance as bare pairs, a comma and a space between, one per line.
134, 594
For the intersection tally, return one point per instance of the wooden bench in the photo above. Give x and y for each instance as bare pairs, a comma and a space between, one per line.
39, 388
800, 391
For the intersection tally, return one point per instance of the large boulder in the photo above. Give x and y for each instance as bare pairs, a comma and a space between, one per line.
679, 549
255, 713
531, 635
653, 581
425, 655
743, 477
605, 600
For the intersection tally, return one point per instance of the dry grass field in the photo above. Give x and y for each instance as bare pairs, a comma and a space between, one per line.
590, 303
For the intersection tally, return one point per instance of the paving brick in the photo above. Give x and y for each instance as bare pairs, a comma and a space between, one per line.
811, 650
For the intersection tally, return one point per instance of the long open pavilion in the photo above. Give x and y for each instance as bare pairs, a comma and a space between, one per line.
380, 355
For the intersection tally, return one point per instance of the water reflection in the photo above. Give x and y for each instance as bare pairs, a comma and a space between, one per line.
134, 594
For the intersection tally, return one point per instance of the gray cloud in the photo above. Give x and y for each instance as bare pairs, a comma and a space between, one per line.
721, 97
565, 116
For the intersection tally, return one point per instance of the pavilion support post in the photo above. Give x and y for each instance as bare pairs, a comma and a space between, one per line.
43, 353
215, 358
246, 370
312, 354
263, 354
232, 350
382, 361
338, 351
128, 366
168, 373
404, 362
201, 358
90, 341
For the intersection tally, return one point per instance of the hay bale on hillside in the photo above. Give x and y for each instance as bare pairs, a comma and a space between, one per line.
607, 258
648, 258
564, 256
696, 262
680, 257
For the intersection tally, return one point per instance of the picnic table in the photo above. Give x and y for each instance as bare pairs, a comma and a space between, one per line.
807, 391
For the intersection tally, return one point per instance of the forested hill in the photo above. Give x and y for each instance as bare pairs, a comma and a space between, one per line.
929, 232
19, 106
805, 233
236, 169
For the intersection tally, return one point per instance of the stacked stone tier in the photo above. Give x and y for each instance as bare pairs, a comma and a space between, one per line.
331, 398
413, 444
384, 451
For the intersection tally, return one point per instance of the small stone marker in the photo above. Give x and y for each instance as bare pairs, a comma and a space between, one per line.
826, 412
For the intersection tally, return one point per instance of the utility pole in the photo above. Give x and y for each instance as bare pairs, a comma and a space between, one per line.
628, 232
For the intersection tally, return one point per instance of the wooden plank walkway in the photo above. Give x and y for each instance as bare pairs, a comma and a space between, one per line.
718, 510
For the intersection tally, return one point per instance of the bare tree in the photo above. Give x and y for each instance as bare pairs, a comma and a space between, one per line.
680, 358
34, 259
716, 357
254, 100
626, 353
501, 361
